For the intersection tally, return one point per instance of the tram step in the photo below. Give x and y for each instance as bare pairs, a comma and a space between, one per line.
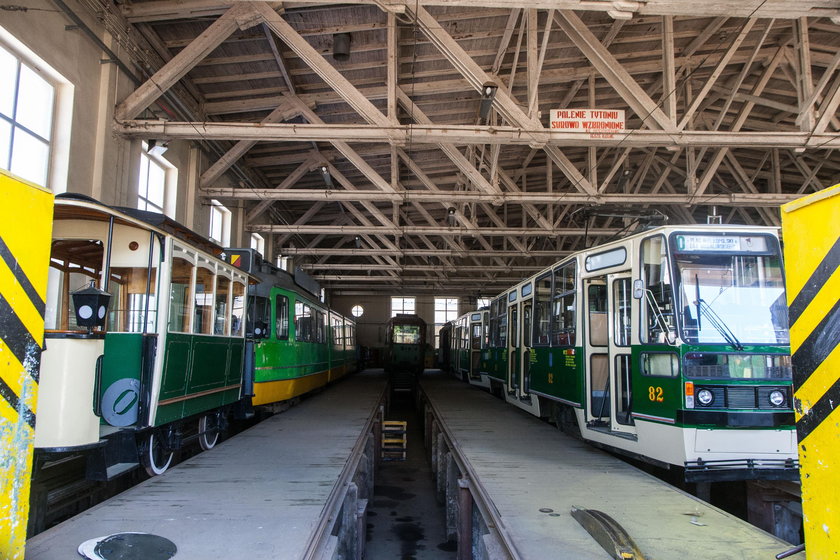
121, 468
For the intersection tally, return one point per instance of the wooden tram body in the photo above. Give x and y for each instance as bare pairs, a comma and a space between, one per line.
299, 343
167, 358
185, 338
669, 345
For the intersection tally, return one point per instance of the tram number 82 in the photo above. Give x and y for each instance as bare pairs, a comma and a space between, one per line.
655, 394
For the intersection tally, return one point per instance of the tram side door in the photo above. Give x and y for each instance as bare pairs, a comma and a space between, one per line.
620, 325
475, 347
514, 365
596, 352
525, 337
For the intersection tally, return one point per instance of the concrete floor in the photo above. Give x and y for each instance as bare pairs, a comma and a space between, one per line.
405, 522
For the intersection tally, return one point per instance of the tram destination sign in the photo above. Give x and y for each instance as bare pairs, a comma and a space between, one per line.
599, 123
701, 243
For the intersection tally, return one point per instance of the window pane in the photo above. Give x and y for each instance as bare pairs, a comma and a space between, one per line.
8, 69
157, 181
281, 327
203, 312
129, 299
35, 102
238, 309
30, 157
73, 264
179, 295
143, 182
215, 223
5, 143
222, 290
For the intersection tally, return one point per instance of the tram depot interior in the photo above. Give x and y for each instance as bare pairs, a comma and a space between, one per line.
422, 156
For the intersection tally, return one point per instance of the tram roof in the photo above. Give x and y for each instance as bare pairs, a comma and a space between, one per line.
72, 205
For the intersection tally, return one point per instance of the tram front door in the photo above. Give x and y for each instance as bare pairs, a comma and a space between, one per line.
608, 337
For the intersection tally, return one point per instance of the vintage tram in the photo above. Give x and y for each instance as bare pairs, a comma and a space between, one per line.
155, 336
144, 338
299, 343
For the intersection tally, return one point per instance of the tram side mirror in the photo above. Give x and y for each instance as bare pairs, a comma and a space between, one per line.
91, 306
638, 289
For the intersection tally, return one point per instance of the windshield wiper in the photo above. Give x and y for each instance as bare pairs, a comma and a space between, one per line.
718, 323
658, 317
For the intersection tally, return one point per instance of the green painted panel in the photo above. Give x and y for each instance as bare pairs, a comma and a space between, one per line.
557, 372
237, 353
658, 396
123, 354
209, 364
169, 413
176, 364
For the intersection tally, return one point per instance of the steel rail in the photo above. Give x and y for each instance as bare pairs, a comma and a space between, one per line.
320, 536
481, 498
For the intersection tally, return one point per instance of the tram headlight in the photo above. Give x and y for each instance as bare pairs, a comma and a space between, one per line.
777, 398
705, 397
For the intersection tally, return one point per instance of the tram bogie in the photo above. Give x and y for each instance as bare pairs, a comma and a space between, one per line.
670, 345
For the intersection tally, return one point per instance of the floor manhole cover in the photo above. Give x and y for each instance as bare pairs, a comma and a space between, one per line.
128, 546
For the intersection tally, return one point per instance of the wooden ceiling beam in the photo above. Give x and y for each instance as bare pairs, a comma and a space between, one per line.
465, 134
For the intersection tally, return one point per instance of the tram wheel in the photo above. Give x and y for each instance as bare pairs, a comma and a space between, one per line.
208, 431
154, 454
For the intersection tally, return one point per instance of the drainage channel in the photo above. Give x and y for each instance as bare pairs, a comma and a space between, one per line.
406, 520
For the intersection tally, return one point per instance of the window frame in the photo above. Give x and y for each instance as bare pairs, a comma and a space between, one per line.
57, 163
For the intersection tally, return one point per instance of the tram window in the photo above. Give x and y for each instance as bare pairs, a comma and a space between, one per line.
475, 343
222, 306
597, 301
238, 308
258, 316
542, 311
129, 299
203, 310
621, 313
502, 330
281, 318
73, 264
180, 295
320, 327
303, 322
563, 307
623, 390
660, 364
657, 309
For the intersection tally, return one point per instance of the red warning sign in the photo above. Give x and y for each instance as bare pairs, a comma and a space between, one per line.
600, 123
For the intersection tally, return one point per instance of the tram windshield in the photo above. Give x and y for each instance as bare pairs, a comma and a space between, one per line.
406, 334
730, 290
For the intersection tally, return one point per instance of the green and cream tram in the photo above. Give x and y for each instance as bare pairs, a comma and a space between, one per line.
669, 345
144, 338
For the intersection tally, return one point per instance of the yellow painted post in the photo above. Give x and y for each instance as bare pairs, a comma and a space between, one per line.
25, 229
811, 235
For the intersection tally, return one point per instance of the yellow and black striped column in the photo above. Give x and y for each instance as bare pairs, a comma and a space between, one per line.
25, 229
811, 235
